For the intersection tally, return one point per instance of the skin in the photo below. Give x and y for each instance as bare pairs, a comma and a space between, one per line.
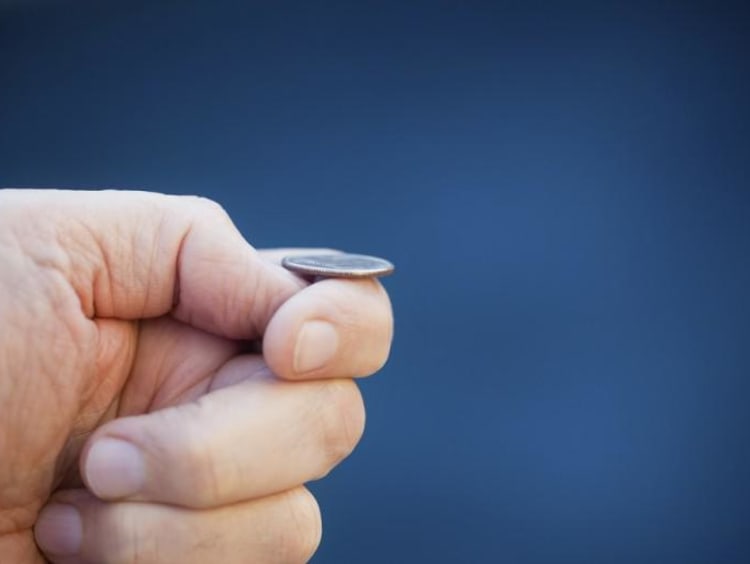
147, 322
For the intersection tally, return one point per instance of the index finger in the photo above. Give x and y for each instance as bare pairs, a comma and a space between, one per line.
134, 255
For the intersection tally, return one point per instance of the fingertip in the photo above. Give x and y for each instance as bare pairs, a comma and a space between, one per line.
113, 468
59, 530
331, 329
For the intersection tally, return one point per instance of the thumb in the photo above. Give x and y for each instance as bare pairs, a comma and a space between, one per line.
132, 255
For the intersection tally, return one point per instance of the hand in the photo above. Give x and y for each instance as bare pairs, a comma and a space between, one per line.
137, 421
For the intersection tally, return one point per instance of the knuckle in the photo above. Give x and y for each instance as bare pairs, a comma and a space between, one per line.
196, 479
128, 540
342, 419
210, 206
203, 482
300, 541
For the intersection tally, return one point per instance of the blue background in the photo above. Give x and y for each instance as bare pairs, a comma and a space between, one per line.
564, 188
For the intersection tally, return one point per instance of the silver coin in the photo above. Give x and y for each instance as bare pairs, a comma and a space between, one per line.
338, 266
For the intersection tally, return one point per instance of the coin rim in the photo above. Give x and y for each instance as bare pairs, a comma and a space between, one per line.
387, 269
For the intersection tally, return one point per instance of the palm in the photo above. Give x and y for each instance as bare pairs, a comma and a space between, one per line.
119, 368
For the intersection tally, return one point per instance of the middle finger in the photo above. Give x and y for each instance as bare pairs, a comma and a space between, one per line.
250, 439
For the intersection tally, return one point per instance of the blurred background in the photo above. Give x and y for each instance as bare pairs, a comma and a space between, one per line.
564, 188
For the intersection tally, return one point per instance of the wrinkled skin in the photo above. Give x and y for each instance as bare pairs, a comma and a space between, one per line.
115, 305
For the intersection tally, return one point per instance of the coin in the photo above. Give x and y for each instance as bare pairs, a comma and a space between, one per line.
338, 266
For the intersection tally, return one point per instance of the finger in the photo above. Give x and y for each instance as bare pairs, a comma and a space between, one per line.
331, 329
77, 528
174, 363
132, 255
240, 442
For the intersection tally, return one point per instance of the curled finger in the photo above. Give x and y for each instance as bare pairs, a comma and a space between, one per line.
77, 528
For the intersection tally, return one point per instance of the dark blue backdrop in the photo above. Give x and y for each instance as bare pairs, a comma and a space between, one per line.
564, 189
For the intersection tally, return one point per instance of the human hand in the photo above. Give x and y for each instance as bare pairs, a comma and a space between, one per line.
126, 365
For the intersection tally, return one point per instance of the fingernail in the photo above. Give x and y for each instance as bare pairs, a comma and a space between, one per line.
114, 468
59, 530
316, 344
